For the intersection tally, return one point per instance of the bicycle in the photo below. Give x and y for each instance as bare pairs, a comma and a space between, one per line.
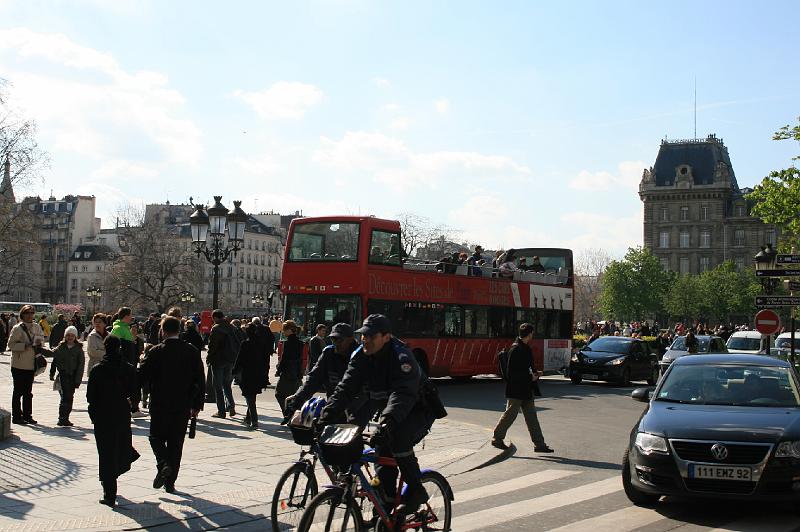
339, 506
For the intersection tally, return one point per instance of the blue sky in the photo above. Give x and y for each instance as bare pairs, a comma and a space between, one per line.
517, 123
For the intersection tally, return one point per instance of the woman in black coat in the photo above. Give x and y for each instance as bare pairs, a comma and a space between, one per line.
110, 393
252, 365
191, 335
288, 369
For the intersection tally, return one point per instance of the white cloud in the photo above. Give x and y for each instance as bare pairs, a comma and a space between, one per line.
401, 123
287, 100
263, 166
391, 107
614, 233
390, 161
124, 169
628, 175
442, 105
381, 83
93, 106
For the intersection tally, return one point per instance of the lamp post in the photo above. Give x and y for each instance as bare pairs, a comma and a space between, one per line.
94, 293
257, 300
187, 297
765, 260
213, 223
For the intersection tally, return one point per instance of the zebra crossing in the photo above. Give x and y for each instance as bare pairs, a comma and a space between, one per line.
572, 499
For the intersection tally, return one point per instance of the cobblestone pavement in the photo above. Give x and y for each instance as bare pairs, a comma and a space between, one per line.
48, 474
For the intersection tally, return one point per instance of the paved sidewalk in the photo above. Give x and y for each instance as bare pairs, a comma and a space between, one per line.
48, 474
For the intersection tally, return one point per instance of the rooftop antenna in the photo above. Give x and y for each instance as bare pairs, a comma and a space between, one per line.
695, 107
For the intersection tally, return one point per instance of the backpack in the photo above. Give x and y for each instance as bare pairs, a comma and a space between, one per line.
232, 343
502, 363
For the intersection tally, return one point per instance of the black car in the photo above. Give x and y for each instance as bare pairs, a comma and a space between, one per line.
614, 358
719, 426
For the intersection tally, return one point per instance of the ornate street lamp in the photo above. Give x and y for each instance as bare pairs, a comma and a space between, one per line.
208, 234
257, 300
765, 260
94, 293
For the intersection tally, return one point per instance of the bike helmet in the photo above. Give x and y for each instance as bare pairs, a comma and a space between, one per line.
311, 410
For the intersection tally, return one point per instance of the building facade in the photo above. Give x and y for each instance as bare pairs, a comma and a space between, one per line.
695, 215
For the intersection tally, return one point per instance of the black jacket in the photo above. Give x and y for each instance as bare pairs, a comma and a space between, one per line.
112, 383
291, 358
315, 347
520, 370
253, 364
218, 350
325, 375
193, 337
390, 380
174, 371
57, 333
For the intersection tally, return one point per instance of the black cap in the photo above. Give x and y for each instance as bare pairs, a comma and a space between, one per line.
341, 330
375, 323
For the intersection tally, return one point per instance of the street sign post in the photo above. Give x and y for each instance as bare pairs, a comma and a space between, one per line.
786, 258
777, 301
767, 322
788, 272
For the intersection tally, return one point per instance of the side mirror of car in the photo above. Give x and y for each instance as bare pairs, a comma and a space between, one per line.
641, 394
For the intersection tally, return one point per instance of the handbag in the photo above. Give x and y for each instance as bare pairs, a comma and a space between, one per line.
57, 383
39, 361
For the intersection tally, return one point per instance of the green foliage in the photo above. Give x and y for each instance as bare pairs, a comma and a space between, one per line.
635, 286
725, 291
683, 297
579, 340
777, 198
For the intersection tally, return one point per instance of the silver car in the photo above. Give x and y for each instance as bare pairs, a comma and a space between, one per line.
705, 344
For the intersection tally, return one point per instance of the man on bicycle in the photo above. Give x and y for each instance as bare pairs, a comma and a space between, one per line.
328, 370
392, 382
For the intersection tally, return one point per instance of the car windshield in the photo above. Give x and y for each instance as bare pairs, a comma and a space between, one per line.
611, 344
744, 344
728, 384
680, 344
786, 343
324, 241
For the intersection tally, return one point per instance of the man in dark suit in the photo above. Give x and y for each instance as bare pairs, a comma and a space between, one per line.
521, 376
174, 371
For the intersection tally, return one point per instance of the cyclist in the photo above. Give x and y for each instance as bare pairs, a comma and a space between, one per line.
393, 383
328, 370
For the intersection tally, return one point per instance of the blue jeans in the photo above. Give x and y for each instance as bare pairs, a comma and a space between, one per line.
223, 377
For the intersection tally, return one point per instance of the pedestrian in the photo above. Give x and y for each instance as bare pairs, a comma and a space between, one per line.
691, 342
138, 344
57, 332
174, 372
24, 341
251, 366
110, 393
519, 392
95, 347
316, 345
276, 326
45, 325
68, 360
223, 347
265, 341
288, 370
4, 330
191, 335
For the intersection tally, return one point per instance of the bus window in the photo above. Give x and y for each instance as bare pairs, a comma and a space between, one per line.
328, 242
422, 319
309, 310
335, 309
384, 248
501, 322
452, 321
476, 321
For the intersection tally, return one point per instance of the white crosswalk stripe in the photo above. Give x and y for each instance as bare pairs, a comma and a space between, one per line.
629, 518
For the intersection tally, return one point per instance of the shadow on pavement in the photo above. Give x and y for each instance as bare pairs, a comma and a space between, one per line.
571, 461
25, 467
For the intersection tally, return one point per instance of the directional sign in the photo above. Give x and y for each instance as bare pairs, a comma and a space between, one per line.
787, 259
777, 301
794, 285
778, 273
767, 321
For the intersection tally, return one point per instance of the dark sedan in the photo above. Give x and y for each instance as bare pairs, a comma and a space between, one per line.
614, 358
720, 426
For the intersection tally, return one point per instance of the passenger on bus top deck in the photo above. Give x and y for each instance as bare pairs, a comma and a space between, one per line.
523, 264
508, 267
536, 266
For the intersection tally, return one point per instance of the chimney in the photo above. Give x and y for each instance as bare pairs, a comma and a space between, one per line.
6, 189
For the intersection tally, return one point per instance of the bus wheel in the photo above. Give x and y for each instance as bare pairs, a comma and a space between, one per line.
422, 359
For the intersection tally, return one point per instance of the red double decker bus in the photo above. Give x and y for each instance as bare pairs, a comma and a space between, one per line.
455, 318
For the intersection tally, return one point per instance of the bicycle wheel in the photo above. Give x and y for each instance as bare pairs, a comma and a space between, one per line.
437, 513
331, 511
293, 492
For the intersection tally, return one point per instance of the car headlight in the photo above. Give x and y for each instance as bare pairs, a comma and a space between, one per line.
575, 358
616, 361
650, 443
788, 449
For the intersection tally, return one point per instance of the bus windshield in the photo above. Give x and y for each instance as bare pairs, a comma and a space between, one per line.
324, 242
309, 310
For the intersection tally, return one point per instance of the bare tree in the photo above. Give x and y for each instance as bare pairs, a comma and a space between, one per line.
21, 163
419, 232
157, 268
589, 268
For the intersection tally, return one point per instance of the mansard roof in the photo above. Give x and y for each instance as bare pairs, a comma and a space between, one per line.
702, 155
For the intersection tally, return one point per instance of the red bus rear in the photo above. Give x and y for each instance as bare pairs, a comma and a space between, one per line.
340, 269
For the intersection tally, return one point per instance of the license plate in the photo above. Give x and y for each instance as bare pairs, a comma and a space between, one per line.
716, 472
591, 377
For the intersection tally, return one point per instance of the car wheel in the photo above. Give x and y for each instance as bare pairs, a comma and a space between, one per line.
637, 497
576, 378
626, 377
653, 379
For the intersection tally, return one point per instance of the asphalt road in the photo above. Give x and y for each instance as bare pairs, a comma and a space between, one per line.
578, 487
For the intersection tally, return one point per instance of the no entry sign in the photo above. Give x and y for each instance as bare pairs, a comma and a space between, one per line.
767, 321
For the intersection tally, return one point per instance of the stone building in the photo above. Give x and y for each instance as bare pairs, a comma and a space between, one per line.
695, 214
